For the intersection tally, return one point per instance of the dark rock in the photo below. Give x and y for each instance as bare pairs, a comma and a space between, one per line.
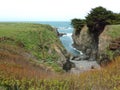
61, 34
68, 65
87, 43
92, 67
115, 44
75, 58
58, 34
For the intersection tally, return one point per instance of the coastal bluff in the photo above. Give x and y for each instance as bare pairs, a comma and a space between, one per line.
85, 42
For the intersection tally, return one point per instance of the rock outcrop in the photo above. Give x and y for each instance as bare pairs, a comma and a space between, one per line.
85, 42
58, 34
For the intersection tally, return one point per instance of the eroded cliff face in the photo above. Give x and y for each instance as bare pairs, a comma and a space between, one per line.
38, 41
61, 52
104, 40
109, 41
81, 39
86, 42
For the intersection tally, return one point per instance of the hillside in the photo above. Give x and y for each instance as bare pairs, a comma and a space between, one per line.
34, 42
29, 55
109, 44
109, 35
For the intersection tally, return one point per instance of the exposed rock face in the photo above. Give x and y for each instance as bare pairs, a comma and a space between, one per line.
104, 40
61, 53
80, 40
85, 43
58, 34
106, 46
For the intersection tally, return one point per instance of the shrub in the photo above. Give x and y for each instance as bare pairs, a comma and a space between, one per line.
78, 25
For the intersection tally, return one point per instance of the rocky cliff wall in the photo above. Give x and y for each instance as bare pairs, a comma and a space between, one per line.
85, 41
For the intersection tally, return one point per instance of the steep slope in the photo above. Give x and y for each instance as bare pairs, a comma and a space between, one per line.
109, 35
109, 42
32, 41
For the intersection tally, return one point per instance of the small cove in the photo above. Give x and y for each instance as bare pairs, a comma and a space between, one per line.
67, 41
65, 27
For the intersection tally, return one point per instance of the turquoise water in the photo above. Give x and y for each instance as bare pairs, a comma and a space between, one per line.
65, 27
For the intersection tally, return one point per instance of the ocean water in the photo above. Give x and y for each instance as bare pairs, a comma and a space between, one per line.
65, 27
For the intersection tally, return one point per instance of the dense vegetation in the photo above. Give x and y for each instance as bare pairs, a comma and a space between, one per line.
96, 20
78, 25
39, 40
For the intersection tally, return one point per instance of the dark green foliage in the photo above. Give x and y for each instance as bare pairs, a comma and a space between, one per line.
78, 24
117, 18
98, 18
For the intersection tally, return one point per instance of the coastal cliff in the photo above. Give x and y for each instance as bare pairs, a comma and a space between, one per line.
39, 43
85, 42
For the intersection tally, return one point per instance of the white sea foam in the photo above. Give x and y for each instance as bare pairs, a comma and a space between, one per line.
69, 28
69, 34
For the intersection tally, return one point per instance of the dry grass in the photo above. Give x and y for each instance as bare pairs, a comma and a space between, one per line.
14, 61
28, 77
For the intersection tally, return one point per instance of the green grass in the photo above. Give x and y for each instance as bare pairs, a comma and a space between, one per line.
37, 39
114, 31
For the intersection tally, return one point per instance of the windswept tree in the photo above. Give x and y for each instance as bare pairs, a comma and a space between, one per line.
78, 25
98, 18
